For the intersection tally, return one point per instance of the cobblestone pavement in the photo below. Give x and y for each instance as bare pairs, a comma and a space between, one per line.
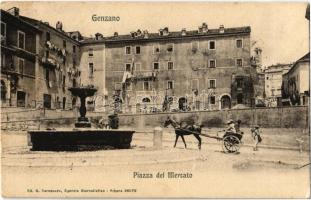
264, 173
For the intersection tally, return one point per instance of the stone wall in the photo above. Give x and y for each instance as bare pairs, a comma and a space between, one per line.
280, 117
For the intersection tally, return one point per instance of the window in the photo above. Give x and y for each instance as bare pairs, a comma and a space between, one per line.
74, 64
156, 66
212, 63
91, 70
128, 50
212, 45
170, 48
90, 52
21, 63
267, 78
137, 50
64, 43
128, 67
74, 49
170, 85
64, 80
239, 43
3, 29
21, 99
156, 49
146, 85
47, 54
47, 99
47, 36
47, 74
170, 65
137, 67
212, 99
21, 40
2, 60
239, 62
212, 83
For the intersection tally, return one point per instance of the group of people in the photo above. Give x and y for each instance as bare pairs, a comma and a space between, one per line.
235, 128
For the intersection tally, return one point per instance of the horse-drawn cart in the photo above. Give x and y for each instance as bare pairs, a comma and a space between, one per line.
231, 142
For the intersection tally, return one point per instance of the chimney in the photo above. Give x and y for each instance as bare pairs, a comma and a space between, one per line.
99, 36
221, 29
138, 32
200, 29
14, 11
133, 34
160, 32
204, 28
146, 34
183, 32
59, 26
165, 31
115, 34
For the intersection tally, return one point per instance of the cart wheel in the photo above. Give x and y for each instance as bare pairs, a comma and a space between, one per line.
231, 144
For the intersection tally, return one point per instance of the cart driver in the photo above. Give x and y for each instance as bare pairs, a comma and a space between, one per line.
231, 126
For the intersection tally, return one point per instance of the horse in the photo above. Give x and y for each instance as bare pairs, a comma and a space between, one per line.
187, 130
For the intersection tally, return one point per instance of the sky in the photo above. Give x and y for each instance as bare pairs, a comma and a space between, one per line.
279, 29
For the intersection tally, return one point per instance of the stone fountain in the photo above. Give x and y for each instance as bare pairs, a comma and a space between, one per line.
83, 136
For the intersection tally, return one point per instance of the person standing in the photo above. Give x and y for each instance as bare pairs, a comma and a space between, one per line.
256, 136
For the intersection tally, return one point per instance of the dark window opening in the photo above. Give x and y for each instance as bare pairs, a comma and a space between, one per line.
212, 45
47, 74
47, 99
74, 49
21, 99
239, 44
21, 40
127, 50
146, 85
170, 48
240, 98
239, 62
128, 67
212, 83
212, 64
64, 43
170, 85
170, 65
48, 36
212, 100
156, 66
138, 50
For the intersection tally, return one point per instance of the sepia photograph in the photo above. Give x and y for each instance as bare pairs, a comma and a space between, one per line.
155, 99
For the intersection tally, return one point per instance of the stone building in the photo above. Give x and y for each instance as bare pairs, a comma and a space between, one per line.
59, 59
273, 83
93, 72
19, 46
181, 70
295, 86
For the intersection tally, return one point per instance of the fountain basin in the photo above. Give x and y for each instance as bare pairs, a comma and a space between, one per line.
80, 139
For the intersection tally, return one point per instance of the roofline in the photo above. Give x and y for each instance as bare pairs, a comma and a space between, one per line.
48, 26
17, 18
211, 35
298, 61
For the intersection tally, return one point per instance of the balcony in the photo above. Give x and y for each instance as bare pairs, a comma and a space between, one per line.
49, 63
146, 76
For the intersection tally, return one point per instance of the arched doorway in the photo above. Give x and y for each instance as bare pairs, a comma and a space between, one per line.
225, 102
182, 103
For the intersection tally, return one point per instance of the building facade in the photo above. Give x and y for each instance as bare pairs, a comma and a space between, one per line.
59, 59
273, 83
19, 61
295, 86
93, 71
184, 70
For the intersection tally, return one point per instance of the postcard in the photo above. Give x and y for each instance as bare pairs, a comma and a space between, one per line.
155, 99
